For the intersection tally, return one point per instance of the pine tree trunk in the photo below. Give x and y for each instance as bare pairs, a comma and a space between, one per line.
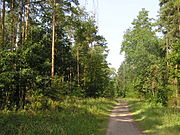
23, 29
177, 85
167, 51
19, 25
78, 67
70, 77
0, 22
85, 67
177, 65
179, 20
27, 19
12, 22
23, 21
3, 23
53, 40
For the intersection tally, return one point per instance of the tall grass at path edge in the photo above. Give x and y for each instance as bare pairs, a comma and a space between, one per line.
155, 119
72, 116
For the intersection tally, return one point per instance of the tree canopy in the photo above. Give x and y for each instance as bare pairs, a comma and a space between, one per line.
50, 49
151, 66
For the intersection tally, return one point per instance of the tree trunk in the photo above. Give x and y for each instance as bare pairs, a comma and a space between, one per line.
3, 23
177, 85
12, 22
0, 22
27, 19
152, 88
179, 20
23, 29
85, 75
177, 65
53, 40
78, 67
70, 77
167, 52
23, 21
19, 25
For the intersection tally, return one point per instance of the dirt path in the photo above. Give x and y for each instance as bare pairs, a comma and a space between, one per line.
121, 122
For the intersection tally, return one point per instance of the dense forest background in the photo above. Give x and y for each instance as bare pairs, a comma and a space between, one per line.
152, 56
51, 48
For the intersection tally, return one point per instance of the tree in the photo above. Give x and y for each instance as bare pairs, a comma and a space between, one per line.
143, 58
169, 22
51, 40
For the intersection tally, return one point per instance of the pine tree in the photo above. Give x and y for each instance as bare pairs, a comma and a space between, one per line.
169, 21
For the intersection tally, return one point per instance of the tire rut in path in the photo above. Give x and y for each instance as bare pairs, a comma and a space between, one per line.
121, 122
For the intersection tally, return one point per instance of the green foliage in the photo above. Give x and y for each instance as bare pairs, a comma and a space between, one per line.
169, 24
169, 17
97, 76
155, 119
25, 60
72, 116
16, 78
142, 73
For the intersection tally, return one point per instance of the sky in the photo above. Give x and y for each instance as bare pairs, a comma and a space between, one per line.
114, 17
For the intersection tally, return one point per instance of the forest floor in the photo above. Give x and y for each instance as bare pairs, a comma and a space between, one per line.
121, 122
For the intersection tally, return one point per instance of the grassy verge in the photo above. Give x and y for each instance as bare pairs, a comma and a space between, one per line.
155, 119
71, 117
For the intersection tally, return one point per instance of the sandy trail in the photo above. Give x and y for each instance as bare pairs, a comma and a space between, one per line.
121, 122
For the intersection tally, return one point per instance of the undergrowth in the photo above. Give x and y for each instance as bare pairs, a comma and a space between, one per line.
155, 119
72, 116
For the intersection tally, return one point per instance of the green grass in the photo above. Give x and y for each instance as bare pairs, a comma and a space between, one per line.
155, 119
72, 116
